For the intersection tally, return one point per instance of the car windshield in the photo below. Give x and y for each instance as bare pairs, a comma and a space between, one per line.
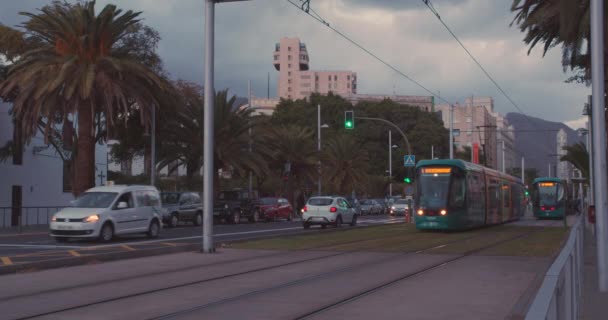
94, 200
320, 201
366, 202
170, 198
229, 195
549, 193
268, 201
402, 201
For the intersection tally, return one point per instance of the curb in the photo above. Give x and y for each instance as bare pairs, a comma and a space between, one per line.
114, 256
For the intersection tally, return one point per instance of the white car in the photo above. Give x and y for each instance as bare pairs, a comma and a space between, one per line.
104, 212
328, 211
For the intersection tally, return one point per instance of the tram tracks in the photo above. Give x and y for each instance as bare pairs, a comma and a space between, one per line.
278, 286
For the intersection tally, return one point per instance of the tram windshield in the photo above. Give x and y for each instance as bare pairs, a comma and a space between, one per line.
549, 193
433, 187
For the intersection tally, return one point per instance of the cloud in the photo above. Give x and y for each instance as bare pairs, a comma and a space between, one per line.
404, 33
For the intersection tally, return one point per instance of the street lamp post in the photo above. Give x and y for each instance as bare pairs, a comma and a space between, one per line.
390, 162
209, 107
599, 140
319, 127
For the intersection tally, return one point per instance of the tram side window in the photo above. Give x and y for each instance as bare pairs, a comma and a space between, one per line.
475, 192
506, 196
494, 194
457, 191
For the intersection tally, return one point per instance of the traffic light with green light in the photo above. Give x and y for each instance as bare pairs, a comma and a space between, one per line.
349, 119
407, 180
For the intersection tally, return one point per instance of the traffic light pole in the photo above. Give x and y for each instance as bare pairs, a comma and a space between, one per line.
390, 163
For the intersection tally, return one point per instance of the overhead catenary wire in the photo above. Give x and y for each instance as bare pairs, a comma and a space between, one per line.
429, 4
311, 12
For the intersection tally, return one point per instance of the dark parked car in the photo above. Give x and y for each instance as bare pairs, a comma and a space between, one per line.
236, 204
276, 208
182, 206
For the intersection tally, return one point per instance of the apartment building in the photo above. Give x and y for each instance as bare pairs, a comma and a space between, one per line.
296, 81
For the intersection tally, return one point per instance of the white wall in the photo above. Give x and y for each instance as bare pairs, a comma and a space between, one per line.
40, 175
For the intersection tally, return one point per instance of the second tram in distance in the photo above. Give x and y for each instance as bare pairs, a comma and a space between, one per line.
455, 194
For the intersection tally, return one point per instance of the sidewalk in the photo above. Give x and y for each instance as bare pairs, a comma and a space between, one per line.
594, 303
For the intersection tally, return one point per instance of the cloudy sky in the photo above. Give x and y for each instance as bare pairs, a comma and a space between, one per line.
402, 32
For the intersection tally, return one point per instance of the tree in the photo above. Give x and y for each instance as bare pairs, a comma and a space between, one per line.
346, 162
578, 156
232, 139
559, 22
80, 67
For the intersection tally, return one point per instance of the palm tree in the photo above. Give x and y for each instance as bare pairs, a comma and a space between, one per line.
293, 146
578, 156
232, 139
551, 23
345, 163
82, 69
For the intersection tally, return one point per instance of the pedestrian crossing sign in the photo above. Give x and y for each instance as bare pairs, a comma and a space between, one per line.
409, 160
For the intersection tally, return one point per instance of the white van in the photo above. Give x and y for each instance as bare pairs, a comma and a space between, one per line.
104, 212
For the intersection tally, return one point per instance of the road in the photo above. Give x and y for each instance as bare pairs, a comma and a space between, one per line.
37, 245
319, 283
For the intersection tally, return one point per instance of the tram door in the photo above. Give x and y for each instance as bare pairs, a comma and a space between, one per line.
506, 202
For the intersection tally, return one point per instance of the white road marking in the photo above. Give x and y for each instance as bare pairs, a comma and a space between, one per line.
41, 246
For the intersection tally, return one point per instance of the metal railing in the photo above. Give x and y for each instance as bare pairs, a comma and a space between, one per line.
559, 296
26, 216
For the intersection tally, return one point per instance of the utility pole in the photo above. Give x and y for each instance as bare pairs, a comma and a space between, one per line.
390, 164
432, 152
250, 141
503, 155
451, 131
153, 149
209, 108
319, 149
599, 140
523, 171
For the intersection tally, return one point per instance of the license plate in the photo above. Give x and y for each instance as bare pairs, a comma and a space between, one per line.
431, 218
65, 228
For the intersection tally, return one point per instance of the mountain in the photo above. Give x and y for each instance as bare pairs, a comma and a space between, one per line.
536, 140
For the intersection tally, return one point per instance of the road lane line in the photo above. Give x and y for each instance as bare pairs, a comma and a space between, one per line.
74, 253
169, 244
124, 246
22, 234
38, 246
6, 261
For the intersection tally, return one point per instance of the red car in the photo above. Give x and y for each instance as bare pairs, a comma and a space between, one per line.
276, 208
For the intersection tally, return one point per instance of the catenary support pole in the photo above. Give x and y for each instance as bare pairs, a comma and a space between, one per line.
250, 137
208, 165
451, 131
599, 140
390, 164
153, 149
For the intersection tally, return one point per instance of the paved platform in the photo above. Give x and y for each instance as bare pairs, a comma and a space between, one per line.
257, 284
594, 303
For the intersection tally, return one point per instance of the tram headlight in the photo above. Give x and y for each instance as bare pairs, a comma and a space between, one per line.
443, 212
420, 212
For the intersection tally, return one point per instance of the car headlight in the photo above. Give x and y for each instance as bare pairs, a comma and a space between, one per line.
54, 218
92, 218
393, 208
226, 206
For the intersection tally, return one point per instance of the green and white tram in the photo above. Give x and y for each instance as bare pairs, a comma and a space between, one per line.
454, 194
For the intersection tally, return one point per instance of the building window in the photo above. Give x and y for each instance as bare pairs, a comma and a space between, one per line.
348, 77
316, 78
288, 48
288, 96
289, 66
289, 89
289, 81
335, 85
329, 77
67, 176
307, 76
289, 73
335, 78
329, 86
348, 85
316, 87
289, 57
306, 85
